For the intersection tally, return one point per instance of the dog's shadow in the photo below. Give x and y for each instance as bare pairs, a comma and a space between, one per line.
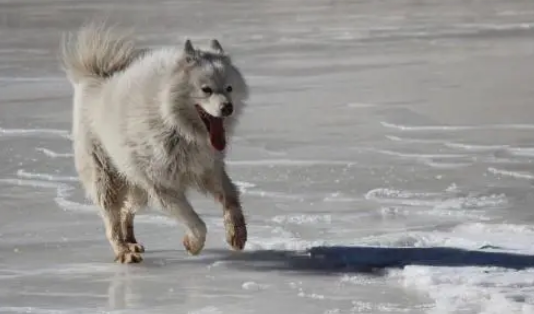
357, 259
323, 261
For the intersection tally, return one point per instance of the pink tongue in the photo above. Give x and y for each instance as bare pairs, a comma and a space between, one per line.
217, 138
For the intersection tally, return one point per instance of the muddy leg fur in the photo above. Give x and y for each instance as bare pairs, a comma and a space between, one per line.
177, 205
135, 200
110, 193
226, 193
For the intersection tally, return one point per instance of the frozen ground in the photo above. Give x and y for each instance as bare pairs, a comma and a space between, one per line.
399, 130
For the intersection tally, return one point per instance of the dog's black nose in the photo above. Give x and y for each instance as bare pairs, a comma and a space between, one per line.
227, 109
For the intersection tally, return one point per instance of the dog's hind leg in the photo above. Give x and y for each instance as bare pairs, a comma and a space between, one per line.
226, 193
110, 194
176, 203
136, 198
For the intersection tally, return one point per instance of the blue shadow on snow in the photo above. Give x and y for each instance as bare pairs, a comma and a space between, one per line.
361, 259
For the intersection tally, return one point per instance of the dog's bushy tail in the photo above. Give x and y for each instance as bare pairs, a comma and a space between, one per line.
95, 52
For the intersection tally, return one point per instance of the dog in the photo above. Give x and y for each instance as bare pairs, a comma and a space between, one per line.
149, 125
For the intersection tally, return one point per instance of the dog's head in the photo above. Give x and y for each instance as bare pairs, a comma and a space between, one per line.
215, 88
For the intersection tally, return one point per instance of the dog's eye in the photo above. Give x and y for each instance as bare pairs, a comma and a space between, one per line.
207, 90
229, 89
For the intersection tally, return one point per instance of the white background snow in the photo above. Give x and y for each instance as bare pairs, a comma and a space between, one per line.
402, 130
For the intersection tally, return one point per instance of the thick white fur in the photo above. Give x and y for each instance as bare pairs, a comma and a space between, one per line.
138, 137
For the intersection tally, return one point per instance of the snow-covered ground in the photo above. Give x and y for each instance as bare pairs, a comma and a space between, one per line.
394, 139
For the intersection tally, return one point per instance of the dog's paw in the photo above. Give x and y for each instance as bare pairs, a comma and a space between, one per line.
136, 247
193, 245
128, 257
236, 230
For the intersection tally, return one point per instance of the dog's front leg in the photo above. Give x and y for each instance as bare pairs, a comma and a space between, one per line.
226, 192
176, 204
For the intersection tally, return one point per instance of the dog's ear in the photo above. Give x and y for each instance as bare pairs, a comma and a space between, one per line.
189, 51
216, 46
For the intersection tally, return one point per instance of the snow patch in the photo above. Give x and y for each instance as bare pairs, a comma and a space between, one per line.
473, 147
513, 174
437, 201
302, 219
521, 151
401, 127
34, 132
288, 243
472, 289
45, 176
413, 140
53, 154
206, 310
446, 165
254, 286
418, 156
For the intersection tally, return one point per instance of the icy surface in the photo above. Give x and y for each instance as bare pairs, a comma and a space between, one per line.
392, 138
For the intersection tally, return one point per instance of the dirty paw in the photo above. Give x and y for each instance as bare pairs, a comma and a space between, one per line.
193, 245
236, 232
136, 247
128, 258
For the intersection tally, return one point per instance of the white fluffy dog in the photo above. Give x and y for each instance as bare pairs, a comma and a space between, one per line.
149, 125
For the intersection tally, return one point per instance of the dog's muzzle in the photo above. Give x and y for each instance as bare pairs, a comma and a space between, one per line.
227, 109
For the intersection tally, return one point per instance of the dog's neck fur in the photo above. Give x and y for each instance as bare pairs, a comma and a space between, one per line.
177, 108
178, 114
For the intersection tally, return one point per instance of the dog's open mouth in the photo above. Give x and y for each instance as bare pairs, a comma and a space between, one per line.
215, 128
